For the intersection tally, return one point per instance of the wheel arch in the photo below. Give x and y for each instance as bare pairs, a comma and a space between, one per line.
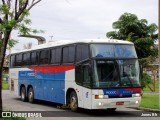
69, 90
29, 86
22, 85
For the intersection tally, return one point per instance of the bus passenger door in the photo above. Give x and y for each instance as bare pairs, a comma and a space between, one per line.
83, 81
86, 83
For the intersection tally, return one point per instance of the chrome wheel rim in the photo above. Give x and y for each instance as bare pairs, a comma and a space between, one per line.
22, 95
73, 102
30, 96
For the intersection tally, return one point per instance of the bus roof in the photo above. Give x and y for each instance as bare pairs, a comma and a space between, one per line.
67, 42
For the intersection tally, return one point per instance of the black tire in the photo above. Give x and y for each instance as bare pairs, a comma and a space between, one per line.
111, 109
73, 100
23, 94
30, 95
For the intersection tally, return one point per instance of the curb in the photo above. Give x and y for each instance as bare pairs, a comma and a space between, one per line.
148, 109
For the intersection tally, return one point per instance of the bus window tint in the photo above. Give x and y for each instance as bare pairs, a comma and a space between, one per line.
82, 52
68, 54
58, 55
44, 57
71, 54
19, 60
86, 76
26, 58
53, 56
34, 58
65, 55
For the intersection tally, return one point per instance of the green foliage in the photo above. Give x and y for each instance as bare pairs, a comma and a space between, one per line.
12, 42
5, 85
4, 9
146, 79
129, 27
15, 18
8, 25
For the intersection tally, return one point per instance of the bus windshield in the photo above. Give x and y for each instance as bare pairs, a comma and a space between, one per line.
116, 73
113, 51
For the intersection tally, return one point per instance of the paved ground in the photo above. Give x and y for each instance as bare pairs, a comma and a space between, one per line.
13, 103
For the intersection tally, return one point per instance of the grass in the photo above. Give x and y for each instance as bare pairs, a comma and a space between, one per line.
148, 90
5, 85
150, 101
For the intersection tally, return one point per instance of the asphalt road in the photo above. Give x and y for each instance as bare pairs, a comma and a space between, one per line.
51, 111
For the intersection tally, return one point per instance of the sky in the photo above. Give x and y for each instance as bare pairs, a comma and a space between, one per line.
83, 19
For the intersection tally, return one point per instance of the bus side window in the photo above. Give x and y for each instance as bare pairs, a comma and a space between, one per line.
53, 56
26, 59
65, 55
58, 55
34, 58
82, 52
44, 57
79, 75
68, 54
18, 60
86, 76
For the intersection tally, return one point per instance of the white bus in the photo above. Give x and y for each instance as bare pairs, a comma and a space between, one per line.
90, 74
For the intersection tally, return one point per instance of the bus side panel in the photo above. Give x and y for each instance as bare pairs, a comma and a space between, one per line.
47, 86
84, 94
13, 80
80, 91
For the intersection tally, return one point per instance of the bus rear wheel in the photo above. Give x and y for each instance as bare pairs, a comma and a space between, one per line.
23, 94
30, 95
73, 101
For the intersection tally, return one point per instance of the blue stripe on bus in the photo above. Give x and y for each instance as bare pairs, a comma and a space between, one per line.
47, 86
121, 92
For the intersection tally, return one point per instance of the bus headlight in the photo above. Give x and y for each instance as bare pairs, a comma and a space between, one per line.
101, 96
137, 102
136, 95
100, 104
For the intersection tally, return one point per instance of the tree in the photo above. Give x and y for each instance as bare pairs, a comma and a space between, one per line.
13, 16
129, 27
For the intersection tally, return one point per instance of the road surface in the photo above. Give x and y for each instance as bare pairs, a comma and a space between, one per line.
51, 111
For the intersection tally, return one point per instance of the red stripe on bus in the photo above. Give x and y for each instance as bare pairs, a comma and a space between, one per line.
52, 69
134, 89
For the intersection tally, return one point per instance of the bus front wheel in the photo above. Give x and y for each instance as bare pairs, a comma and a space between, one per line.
23, 94
73, 101
31, 95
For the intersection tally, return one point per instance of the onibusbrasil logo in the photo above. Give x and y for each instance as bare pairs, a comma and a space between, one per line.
21, 114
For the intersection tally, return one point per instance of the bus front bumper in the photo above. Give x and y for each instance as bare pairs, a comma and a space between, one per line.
115, 102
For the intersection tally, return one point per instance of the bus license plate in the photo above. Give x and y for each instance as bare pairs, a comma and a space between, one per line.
119, 103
